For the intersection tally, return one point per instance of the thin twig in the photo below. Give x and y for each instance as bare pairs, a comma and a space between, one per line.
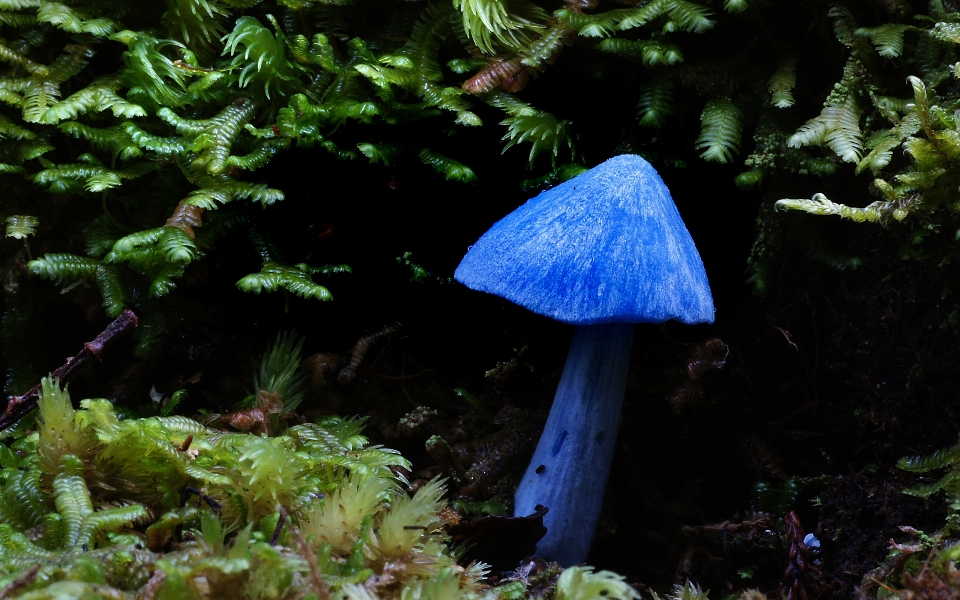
152, 587
23, 580
278, 529
322, 590
17, 406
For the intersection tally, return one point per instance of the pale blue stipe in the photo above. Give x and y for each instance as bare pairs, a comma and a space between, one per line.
569, 469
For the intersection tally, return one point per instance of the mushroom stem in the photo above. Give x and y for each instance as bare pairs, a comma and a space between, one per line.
569, 469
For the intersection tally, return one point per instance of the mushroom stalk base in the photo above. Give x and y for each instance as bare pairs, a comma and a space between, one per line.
569, 469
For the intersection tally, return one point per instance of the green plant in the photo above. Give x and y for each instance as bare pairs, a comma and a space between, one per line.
909, 144
87, 473
949, 483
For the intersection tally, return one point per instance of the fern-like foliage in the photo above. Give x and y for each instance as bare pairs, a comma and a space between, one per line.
735, 6
525, 123
720, 130
782, 82
75, 506
135, 110
209, 93
656, 102
507, 22
354, 521
68, 267
681, 15
150, 72
279, 371
59, 432
949, 483
918, 132
21, 226
197, 23
68, 19
114, 140
450, 168
887, 38
295, 279
263, 58
838, 125
649, 52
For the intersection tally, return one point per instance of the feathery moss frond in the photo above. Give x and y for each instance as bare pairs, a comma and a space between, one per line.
59, 267
18, 4
21, 226
596, 25
509, 22
67, 19
163, 146
888, 38
75, 506
642, 15
544, 49
39, 96
9, 55
263, 58
783, 80
656, 102
59, 433
113, 292
212, 138
197, 22
97, 97
946, 32
17, 20
649, 52
274, 276
689, 16
24, 502
544, 132
838, 125
379, 153
843, 134
411, 519
9, 129
446, 166
720, 130
735, 6
91, 174
150, 71
882, 143
221, 189
279, 371
949, 483
114, 140
339, 519
262, 154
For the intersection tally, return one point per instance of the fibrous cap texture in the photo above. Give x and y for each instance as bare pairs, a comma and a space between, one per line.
607, 246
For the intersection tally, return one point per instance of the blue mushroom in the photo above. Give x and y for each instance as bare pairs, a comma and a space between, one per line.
602, 251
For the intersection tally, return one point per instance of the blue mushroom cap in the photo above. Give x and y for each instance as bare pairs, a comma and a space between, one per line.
605, 247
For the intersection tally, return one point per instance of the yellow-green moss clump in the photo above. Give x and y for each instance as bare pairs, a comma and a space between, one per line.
95, 506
